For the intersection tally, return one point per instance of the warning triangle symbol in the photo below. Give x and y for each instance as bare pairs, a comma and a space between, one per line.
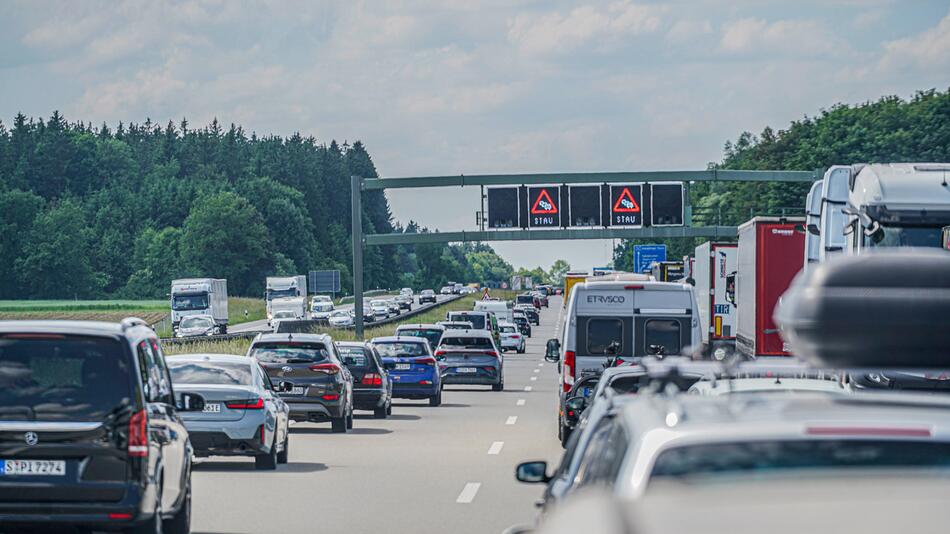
543, 205
626, 203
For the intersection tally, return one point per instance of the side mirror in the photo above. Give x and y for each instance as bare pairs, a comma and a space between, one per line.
190, 402
285, 387
532, 473
813, 229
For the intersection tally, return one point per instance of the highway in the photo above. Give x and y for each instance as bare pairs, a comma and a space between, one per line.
261, 325
445, 469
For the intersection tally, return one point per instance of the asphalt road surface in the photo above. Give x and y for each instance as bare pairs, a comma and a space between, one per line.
445, 469
261, 325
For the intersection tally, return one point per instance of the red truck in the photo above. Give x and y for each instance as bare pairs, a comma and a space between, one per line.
771, 252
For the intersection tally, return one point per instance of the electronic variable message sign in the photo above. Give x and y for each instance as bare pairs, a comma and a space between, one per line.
503, 207
626, 205
666, 204
544, 207
584, 206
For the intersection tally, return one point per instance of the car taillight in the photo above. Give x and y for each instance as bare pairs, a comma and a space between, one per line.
372, 379
330, 397
261, 431
256, 404
569, 370
515, 336
634, 287
427, 360
440, 353
328, 368
138, 434
492, 353
618, 361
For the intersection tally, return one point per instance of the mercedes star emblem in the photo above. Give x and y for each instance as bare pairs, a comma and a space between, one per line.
31, 438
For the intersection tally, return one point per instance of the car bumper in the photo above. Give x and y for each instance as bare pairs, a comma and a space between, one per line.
133, 505
369, 399
415, 391
514, 345
221, 444
480, 376
302, 409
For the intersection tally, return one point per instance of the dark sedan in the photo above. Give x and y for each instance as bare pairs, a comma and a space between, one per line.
372, 387
316, 384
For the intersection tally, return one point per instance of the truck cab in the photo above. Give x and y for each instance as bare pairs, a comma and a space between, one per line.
200, 296
812, 224
897, 205
278, 287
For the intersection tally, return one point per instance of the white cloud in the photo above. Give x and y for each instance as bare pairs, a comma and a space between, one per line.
927, 50
554, 32
686, 30
756, 36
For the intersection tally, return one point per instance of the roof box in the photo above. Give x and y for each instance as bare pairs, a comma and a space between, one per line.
888, 308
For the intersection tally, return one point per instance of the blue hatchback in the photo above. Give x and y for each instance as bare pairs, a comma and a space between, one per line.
412, 367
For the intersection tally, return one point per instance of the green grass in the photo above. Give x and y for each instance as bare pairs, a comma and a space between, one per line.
256, 310
81, 305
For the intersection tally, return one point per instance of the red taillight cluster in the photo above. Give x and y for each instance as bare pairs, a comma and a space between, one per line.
425, 360
328, 368
255, 404
569, 370
372, 379
330, 397
491, 353
138, 434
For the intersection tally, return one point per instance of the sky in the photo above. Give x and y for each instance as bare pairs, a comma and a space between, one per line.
470, 87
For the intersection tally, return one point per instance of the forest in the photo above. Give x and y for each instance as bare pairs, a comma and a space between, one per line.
888, 130
97, 212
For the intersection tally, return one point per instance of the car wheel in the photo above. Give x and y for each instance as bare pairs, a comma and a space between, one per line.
499, 386
268, 461
338, 425
284, 455
522, 349
349, 421
380, 412
389, 408
565, 434
436, 400
180, 523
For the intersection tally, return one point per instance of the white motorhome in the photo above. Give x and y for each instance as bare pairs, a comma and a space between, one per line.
501, 309
623, 316
283, 287
897, 205
200, 296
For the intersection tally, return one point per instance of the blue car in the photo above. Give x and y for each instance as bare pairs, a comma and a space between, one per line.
412, 368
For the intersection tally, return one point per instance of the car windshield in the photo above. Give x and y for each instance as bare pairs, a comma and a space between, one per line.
63, 378
468, 342
284, 314
428, 292
392, 349
477, 320
431, 334
905, 236
196, 322
290, 352
378, 303
340, 313
524, 299
354, 357
209, 372
190, 301
323, 306
770, 456
508, 329
278, 293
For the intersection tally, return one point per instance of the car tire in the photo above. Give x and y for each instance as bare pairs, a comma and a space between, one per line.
284, 455
436, 400
381, 412
349, 421
521, 350
564, 434
389, 408
180, 523
267, 462
338, 425
499, 386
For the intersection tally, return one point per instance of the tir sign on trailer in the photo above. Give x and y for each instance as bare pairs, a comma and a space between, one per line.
544, 207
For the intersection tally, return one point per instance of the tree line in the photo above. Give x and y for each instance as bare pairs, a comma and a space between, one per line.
889, 130
100, 212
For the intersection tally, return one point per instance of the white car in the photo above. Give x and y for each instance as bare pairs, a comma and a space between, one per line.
511, 338
196, 325
321, 310
282, 315
341, 318
380, 309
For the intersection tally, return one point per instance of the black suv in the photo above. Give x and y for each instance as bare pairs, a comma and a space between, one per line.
311, 376
89, 428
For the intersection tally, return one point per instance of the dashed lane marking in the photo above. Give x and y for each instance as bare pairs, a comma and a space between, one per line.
496, 447
468, 493
512, 419
520, 402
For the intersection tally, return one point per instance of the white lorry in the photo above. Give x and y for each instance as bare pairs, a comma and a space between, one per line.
896, 205
284, 287
282, 308
200, 296
716, 292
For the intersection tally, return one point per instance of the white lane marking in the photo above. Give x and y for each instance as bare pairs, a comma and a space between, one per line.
520, 402
496, 447
540, 365
533, 378
528, 388
468, 493
512, 419
537, 370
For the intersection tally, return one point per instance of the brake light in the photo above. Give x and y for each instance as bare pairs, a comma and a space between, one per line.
372, 379
618, 361
439, 352
426, 360
120, 515
634, 287
569, 370
868, 431
515, 336
328, 368
492, 353
34, 336
256, 404
262, 434
330, 397
138, 435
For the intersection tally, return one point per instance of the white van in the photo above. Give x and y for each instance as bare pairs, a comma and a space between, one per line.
625, 316
501, 309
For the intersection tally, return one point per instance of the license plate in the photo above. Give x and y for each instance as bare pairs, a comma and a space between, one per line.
402, 366
464, 369
298, 390
33, 467
212, 407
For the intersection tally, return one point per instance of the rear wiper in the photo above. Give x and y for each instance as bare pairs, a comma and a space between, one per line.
296, 360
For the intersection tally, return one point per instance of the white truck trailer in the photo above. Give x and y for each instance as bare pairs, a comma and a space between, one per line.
200, 296
284, 286
713, 274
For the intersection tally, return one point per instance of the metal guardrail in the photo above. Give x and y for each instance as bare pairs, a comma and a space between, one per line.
310, 324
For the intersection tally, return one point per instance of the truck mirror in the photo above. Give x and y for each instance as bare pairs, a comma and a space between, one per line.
813, 229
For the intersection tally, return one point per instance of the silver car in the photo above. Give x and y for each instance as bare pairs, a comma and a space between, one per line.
243, 414
196, 325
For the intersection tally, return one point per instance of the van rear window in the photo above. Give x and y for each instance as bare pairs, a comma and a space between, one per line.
468, 342
62, 378
477, 320
354, 357
602, 334
662, 333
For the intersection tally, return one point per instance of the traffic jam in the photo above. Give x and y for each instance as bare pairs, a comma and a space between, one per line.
794, 380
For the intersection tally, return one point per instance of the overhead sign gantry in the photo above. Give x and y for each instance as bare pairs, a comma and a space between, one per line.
597, 205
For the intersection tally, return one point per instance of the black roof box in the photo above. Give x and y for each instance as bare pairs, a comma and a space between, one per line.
885, 308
